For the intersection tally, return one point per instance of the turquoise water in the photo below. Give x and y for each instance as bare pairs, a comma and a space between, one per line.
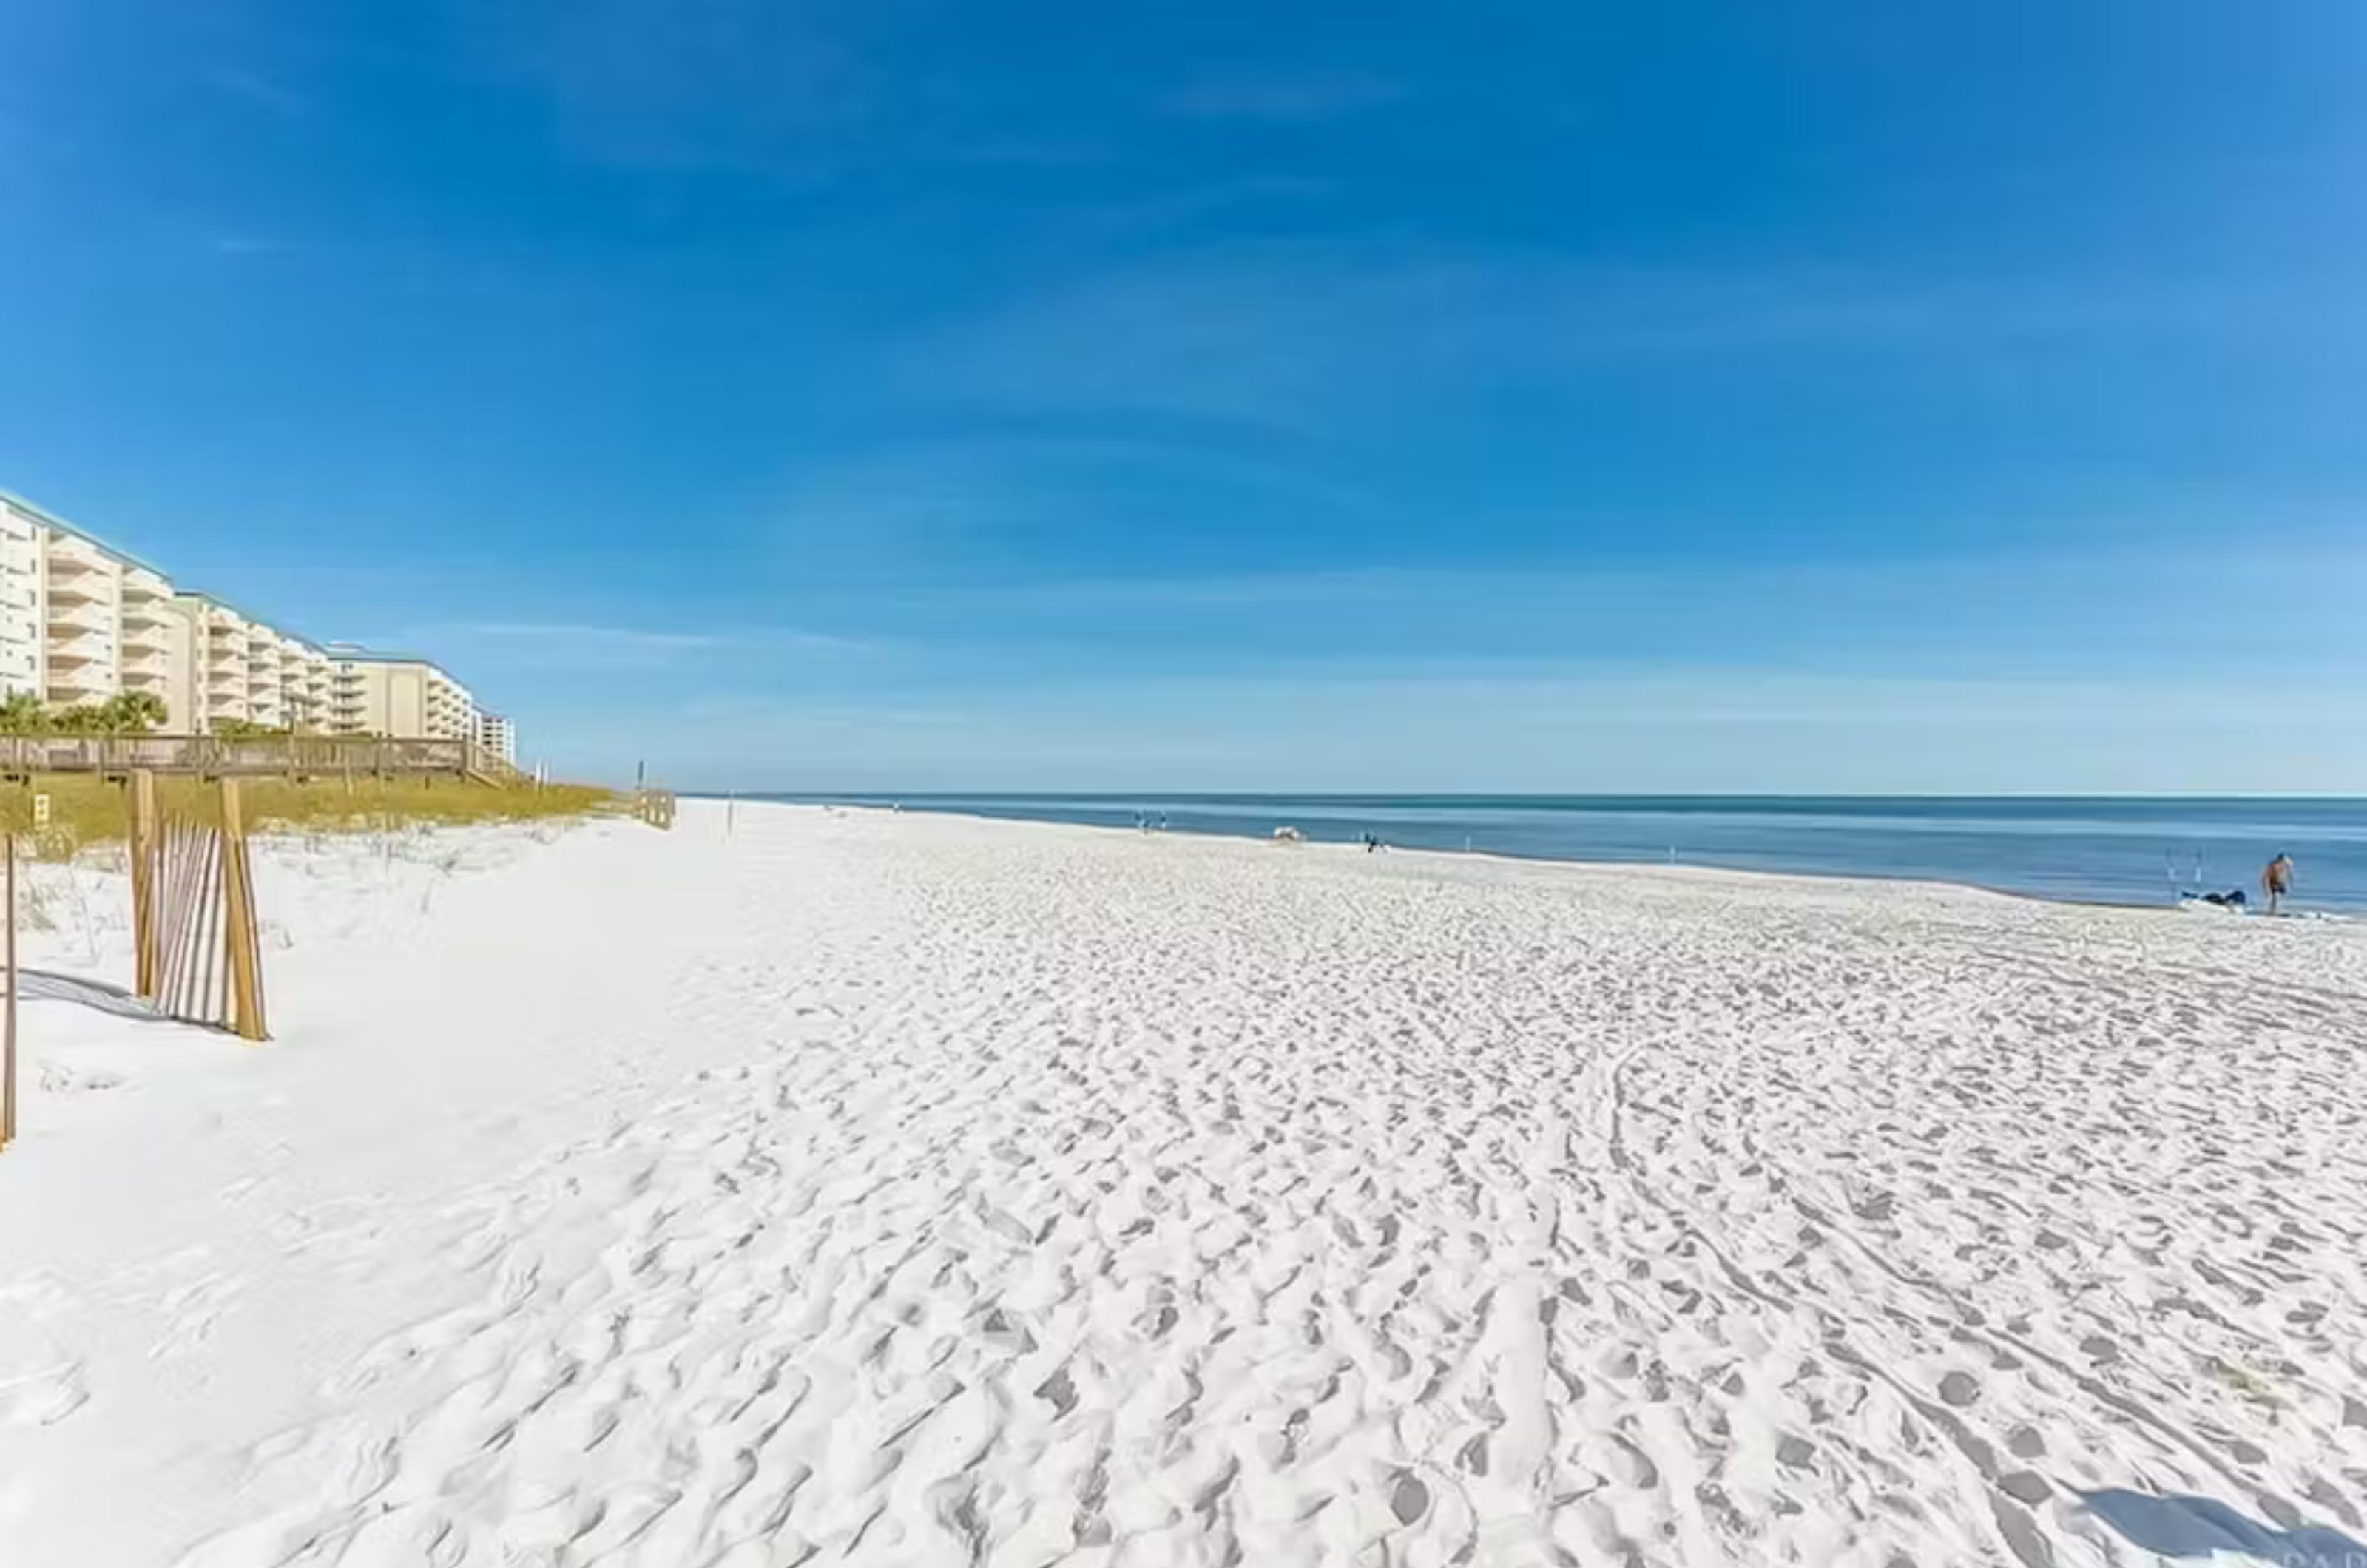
2115, 850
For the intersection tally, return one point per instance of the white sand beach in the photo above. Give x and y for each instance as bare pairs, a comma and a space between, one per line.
909, 1189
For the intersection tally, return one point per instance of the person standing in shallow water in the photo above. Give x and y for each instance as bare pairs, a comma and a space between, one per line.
2276, 881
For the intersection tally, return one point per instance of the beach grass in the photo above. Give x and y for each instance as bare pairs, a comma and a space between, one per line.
85, 810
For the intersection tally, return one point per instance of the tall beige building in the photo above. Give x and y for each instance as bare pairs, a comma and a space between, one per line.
397, 694
497, 735
147, 642
224, 663
80, 621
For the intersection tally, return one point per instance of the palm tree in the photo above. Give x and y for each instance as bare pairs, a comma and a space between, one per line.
22, 714
131, 713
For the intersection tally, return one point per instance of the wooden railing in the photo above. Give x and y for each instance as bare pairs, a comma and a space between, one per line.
214, 756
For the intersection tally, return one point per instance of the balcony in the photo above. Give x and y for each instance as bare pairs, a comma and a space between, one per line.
75, 557
76, 620
83, 674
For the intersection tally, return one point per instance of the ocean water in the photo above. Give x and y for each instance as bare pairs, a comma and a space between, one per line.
2135, 849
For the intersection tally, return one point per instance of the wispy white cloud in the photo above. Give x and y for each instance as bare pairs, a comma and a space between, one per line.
1680, 729
912, 505
254, 88
1281, 97
1302, 335
585, 643
1293, 335
247, 245
729, 83
578, 635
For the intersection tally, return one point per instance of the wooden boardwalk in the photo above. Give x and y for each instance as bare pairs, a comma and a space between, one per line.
275, 756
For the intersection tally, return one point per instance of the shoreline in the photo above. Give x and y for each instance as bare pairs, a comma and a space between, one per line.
918, 806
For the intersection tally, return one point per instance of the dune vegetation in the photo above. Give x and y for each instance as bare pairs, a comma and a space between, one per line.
85, 809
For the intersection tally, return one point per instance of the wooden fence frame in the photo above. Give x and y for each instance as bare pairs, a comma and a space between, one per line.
654, 806
192, 913
195, 939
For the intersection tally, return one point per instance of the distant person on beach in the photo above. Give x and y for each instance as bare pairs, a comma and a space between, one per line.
2276, 880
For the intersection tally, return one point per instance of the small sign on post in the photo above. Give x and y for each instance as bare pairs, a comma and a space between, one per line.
40, 811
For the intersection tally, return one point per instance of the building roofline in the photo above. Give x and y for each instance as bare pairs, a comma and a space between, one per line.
244, 613
351, 652
355, 653
84, 535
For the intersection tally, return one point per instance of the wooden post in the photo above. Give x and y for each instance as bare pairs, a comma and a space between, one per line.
243, 951
144, 883
8, 1008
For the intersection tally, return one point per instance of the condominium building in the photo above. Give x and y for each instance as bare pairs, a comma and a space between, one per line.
22, 633
305, 676
397, 694
216, 683
80, 621
82, 593
498, 736
148, 641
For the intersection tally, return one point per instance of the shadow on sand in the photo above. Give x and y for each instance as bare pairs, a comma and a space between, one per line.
2197, 1528
43, 986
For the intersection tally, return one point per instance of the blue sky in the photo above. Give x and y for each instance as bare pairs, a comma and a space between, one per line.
1499, 396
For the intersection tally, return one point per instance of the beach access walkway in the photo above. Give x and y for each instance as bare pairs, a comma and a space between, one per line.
214, 756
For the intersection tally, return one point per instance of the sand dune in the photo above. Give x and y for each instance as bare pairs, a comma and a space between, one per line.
900, 1190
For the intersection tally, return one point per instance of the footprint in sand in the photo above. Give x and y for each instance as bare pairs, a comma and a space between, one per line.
42, 1395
